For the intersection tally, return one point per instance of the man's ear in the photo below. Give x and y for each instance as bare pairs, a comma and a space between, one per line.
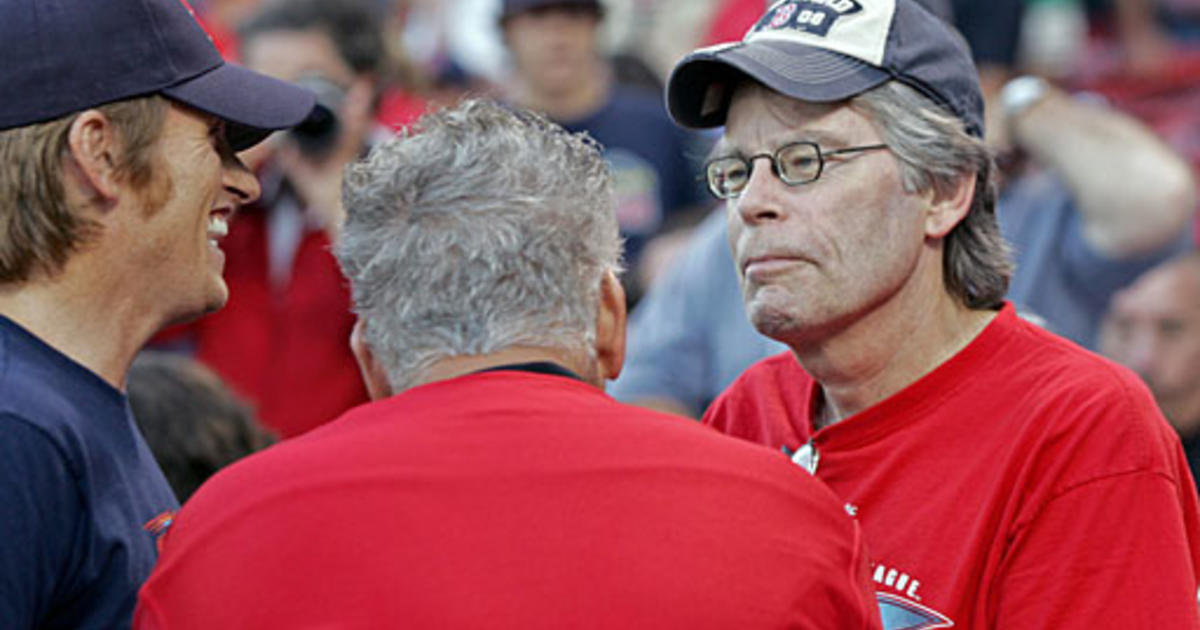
373, 374
949, 208
93, 147
610, 327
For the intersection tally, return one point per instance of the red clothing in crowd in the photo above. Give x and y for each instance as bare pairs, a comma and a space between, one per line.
1025, 484
508, 499
732, 19
286, 349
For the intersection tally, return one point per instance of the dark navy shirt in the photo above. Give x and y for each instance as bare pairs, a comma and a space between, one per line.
654, 177
81, 497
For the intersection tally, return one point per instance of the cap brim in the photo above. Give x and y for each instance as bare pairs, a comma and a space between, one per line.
252, 105
701, 86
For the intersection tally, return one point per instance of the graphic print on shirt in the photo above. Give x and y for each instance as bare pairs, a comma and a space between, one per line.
901, 610
901, 614
637, 186
158, 527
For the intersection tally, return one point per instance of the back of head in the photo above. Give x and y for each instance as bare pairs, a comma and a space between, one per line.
479, 229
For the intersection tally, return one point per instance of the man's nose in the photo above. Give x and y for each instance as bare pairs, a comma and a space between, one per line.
761, 198
240, 182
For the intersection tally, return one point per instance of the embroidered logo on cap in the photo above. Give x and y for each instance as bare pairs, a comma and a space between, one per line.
808, 16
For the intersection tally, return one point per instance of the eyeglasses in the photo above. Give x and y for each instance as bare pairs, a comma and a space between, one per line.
794, 164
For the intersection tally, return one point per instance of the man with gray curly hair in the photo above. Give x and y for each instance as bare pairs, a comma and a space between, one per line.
492, 483
1005, 478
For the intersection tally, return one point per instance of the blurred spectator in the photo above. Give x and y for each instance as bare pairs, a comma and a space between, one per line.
282, 340
1108, 201
1053, 38
193, 424
659, 32
1144, 57
1079, 233
1153, 327
1142, 37
560, 72
491, 483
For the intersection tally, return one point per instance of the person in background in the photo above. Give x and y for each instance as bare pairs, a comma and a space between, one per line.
1153, 327
192, 423
1105, 201
118, 132
281, 343
559, 71
997, 469
491, 483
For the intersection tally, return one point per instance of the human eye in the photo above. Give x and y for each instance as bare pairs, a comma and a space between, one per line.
727, 176
218, 137
1171, 329
798, 162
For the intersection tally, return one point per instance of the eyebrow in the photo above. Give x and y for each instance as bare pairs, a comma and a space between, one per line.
825, 139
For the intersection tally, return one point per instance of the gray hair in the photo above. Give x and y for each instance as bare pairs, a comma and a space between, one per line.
480, 229
935, 154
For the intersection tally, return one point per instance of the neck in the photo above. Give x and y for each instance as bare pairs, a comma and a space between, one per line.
84, 315
454, 367
888, 349
572, 102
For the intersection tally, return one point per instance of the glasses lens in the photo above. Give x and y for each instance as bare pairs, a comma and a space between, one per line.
799, 163
727, 176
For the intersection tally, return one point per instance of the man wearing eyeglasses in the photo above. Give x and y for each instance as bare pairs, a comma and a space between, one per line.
1004, 478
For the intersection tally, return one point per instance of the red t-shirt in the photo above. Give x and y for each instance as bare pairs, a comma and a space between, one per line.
511, 500
1024, 484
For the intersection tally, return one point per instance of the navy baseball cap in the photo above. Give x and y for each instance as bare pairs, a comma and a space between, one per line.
513, 7
830, 50
64, 56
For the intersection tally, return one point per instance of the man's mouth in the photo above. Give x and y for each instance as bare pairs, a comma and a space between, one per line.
218, 226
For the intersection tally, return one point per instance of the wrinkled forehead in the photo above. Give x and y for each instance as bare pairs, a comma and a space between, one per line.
756, 110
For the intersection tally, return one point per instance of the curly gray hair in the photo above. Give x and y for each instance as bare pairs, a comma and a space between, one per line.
935, 154
480, 229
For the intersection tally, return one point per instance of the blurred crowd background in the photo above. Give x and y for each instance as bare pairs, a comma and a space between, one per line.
275, 362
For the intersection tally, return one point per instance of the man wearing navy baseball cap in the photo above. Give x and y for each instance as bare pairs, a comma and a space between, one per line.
118, 132
1004, 477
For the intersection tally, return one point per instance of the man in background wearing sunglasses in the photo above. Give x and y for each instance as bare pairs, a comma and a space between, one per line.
1004, 478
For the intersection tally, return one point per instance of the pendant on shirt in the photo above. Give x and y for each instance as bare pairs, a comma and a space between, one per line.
807, 457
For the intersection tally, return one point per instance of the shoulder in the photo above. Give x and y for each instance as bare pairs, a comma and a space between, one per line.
1081, 406
740, 470
765, 399
32, 453
769, 381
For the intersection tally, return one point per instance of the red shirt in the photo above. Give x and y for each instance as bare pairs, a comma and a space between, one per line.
1023, 484
511, 500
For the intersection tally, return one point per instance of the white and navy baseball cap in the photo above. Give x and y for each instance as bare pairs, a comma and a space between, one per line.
64, 56
830, 50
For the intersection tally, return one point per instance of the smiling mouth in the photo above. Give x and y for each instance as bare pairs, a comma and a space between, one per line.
218, 226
